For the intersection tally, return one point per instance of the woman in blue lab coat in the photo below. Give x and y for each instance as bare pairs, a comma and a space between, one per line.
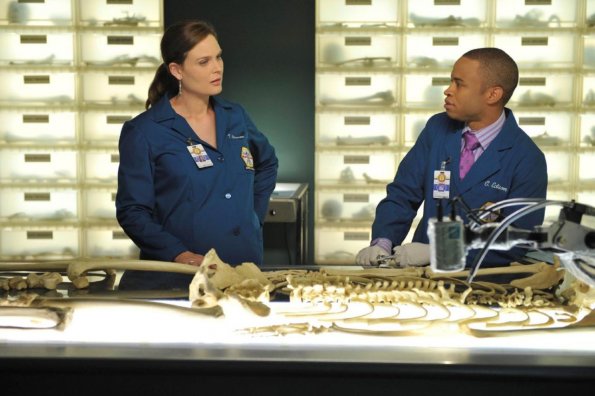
195, 173
507, 162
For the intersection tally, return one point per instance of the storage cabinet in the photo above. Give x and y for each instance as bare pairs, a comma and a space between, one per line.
72, 72
382, 67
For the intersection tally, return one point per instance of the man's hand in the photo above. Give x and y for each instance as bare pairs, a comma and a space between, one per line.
369, 255
412, 254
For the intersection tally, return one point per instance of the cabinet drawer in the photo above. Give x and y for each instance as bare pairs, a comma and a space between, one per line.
47, 12
349, 167
440, 49
110, 243
124, 13
380, 127
100, 203
116, 88
36, 48
546, 128
42, 127
102, 166
39, 243
104, 126
527, 14
539, 49
541, 90
22, 165
358, 206
436, 13
38, 204
38, 86
346, 50
111, 49
357, 11
357, 89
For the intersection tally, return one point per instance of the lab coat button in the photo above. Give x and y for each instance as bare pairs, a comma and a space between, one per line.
220, 158
228, 195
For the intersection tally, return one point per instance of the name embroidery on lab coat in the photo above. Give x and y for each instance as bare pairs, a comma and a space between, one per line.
247, 158
495, 186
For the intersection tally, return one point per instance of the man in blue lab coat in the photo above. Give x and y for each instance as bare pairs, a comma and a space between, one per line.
504, 162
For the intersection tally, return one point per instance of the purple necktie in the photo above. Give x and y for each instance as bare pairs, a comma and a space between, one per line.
467, 157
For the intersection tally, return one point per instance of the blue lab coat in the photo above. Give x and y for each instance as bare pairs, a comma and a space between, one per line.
511, 167
166, 204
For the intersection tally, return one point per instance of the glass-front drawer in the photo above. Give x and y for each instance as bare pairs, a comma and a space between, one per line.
588, 130
589, 48
349, 205
120, 49
539, 50
589, 90
356, 167
112, 243
546, 129
359, 90
440, 13
426, 90
39, 243
357, 129
552, 212
539, 90
526, 14
102, 166
117, 88
45, 12
558, 166
586, 166
46, 87
120, 13
365, 11
357, 49
104, 126
38, 165
38, 204
51, 127
36, 48
414, 123
340, 246
100, 204
440, 49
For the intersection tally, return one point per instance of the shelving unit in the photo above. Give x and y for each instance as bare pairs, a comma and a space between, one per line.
382, 67
72, 72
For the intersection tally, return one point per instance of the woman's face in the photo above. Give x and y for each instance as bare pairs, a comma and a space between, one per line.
202, 70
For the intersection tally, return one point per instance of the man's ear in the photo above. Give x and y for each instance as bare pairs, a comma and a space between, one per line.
494, 94
175, 70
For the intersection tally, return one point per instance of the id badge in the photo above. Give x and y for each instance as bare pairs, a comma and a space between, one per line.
200, 156
441, 184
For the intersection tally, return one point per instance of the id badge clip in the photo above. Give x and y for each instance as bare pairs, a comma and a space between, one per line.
441, 185
199, 155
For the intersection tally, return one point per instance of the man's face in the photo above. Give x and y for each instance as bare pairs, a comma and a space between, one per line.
466, 100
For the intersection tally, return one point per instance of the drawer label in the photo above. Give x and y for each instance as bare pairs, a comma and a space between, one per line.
116, 119
36, 118
119, 235
118, 1
445, 41
115, 158
538, 2
34, 39
356, 236
120, 80
447, 2
355, 41
356, 159
440, 81
31, 1
120, 40
529, 41
356, 198
532, 81
36, 79
358, 2
38, 158
37, 196
354, 120
360, 81
531, 120
40, 235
